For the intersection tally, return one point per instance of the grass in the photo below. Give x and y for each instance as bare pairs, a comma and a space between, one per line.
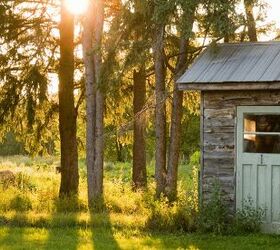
101, 238
32, 217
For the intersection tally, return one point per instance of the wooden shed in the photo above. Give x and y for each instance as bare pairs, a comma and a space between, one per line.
240, 124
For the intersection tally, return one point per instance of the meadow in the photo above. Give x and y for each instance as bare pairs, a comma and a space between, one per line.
32, 216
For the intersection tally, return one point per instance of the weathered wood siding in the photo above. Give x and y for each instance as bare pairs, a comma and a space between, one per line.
218, 137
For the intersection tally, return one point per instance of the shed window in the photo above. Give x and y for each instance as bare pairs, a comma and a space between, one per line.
261, 133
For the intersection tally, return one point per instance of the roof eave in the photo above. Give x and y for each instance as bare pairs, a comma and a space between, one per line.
230, 86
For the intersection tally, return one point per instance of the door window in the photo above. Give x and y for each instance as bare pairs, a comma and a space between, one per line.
261, 133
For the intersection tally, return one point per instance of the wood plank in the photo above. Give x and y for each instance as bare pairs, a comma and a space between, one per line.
218, 123
218, 139
228, 113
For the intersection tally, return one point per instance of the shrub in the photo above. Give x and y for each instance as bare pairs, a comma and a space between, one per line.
180, 215
70, 204
21, 203
248, 219
7, 178
171, 217
195, 159
214, 216
24, 182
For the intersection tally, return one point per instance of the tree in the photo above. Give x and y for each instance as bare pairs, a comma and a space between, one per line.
177, 102
31, 56
251, 24
160, 110
139, 175
92, 42
28, 55
67, 113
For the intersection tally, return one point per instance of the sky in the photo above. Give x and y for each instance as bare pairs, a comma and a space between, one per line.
274, 11
273, 15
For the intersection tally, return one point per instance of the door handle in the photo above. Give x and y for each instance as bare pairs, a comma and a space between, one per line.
261, 159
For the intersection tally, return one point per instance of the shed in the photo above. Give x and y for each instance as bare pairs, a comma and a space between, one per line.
240, 124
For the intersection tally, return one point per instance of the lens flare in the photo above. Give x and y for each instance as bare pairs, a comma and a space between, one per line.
77, 7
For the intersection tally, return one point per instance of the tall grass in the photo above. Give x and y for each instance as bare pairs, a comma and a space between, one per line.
35, 194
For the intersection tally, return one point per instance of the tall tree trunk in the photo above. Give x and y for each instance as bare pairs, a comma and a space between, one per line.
251, 23
99, 130
176, 116
139, 175
67, 115
90, 100
160, 111
92, 41
175, 129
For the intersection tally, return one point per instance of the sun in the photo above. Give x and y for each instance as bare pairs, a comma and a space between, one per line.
77, 7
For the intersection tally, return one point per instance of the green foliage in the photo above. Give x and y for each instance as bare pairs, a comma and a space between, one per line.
195, 159
221, 18
248, 219
171, 217
10, 145
70, 205
21, 203
24, 182
213, 215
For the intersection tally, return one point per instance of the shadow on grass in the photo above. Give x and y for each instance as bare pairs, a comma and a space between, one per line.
102, 230
15, 230
64, 225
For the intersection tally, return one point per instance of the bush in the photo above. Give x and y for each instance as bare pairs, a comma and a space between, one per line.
195, 159
248, 219
24, 182
214, 216
70, 204
171, 217
180, 215
21, 203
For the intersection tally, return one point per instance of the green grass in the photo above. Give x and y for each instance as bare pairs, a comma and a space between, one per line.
103, 238
32, 217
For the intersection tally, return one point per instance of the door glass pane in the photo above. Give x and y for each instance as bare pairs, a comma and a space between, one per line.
261, 123
261, 143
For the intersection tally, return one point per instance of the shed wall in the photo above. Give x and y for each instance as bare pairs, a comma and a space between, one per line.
218, 137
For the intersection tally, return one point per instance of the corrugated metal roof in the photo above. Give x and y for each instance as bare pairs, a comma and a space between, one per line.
236, 63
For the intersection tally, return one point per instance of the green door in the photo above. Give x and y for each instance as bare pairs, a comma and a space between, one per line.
258, 162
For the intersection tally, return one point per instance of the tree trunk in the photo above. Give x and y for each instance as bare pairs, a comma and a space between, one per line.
139, 175
160, 111
90, 102
92, 41
119, 151
99, 145
176, 116
67, 115
175, 129
99, 129
251, 24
